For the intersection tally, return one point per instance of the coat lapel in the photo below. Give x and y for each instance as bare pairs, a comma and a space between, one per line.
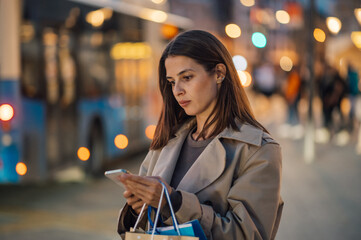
209, 165
206, 169
169, 155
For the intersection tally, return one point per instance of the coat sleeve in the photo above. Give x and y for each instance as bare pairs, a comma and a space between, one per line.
126, 217
254, 200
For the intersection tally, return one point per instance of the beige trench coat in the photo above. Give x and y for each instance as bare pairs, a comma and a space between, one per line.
233, 188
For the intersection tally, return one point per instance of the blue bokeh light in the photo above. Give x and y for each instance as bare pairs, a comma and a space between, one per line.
259, 40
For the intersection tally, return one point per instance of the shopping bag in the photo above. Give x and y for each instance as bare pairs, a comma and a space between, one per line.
187, 231
191, 228
145, 236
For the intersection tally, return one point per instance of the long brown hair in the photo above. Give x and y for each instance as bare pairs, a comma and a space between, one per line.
232, 103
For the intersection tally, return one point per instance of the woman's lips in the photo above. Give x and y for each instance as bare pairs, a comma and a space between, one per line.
184, 103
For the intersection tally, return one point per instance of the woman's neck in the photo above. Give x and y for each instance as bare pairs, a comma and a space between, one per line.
200, 126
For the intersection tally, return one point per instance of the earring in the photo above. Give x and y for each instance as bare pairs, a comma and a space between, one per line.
220, 80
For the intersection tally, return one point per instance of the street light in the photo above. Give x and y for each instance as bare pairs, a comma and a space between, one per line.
334, 24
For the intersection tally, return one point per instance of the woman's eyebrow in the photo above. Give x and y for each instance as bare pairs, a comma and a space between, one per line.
185, 70
181, 72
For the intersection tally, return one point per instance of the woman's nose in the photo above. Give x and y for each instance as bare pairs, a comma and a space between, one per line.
178, 89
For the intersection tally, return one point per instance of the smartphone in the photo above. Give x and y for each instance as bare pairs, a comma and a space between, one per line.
114, 174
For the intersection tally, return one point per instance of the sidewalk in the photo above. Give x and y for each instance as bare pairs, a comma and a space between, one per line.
322, 199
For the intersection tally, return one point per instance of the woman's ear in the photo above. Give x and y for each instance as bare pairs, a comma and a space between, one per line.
221, 72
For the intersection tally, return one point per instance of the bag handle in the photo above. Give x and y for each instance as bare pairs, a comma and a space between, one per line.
175, 222
139, 218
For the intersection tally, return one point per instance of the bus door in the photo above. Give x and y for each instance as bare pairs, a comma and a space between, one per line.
48, 84
60, 80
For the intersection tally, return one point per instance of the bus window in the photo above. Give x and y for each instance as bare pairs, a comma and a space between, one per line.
32, 84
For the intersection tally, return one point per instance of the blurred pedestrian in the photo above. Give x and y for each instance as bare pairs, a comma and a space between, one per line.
353, 92
332, 90
292, 94
264, 79
219, 164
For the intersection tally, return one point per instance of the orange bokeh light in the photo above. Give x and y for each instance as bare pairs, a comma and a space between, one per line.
169, 31
245, 78
83, 153
248, 79
6, 112
149, 131
21, 168
121, 141
319, 35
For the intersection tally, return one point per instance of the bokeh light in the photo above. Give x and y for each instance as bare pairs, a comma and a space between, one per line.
245, 78
149, 131
357, 12
240, 62
248, 3
282, 16
6, 140
319, 35
334, 24
356, 38
286, 63
259, 40
95, 18
121, 141
153, 15
6, 112
83, 153
21, 168
159, 16
169, 31
158, 1
127, 50
233, 30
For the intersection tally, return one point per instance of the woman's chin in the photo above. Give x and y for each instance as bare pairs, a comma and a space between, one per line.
189, 113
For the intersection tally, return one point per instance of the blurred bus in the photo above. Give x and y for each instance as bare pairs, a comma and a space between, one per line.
77, 82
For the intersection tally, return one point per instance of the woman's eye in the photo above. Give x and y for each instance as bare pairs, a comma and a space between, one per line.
171, 83
188, 77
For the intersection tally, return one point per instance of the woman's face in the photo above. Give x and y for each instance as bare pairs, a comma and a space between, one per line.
194, 89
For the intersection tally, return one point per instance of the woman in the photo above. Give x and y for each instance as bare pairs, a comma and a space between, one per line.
219, 164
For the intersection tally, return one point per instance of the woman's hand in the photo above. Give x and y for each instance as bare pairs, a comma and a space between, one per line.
142, 189
133, 201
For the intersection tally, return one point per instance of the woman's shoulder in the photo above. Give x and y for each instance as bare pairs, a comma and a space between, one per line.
247, 133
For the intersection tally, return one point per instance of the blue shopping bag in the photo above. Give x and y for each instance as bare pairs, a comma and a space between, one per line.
192, 228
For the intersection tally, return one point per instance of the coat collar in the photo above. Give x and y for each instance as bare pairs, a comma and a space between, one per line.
212, 161
247, 133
